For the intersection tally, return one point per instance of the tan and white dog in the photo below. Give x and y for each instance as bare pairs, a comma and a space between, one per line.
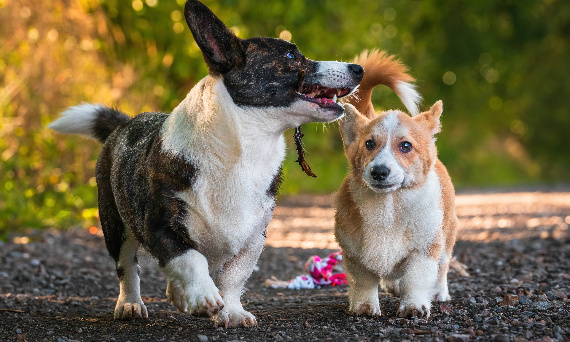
395, 213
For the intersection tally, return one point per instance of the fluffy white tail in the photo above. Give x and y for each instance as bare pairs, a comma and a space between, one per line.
92, 120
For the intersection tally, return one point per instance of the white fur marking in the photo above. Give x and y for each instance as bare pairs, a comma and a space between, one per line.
334, 74
409, 96
77, 120
390, 122
129, 303
190, 286
386, 156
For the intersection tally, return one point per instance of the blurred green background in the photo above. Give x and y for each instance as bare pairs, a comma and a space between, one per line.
500, 67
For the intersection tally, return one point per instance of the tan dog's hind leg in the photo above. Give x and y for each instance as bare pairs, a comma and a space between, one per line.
392, 286
441, 291
362, 290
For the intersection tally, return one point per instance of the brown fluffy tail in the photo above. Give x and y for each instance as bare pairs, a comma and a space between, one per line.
381, 68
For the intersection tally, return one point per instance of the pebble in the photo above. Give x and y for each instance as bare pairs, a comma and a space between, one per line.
542, 306
458, 338
501, 338
202, 338
524, 300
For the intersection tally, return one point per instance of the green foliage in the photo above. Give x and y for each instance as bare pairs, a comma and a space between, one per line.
498, 65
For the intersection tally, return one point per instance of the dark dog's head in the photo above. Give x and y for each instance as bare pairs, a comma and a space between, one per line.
270, 72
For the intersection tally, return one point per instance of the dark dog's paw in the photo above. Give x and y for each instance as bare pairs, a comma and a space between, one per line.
197, 299
235, 318
125, 310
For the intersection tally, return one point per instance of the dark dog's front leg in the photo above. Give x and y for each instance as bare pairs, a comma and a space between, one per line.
190, 287
231, 279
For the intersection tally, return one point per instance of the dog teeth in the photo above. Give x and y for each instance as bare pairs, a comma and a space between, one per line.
334, 98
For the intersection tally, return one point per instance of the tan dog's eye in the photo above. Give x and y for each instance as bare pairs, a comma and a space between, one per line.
405, 146
370, 144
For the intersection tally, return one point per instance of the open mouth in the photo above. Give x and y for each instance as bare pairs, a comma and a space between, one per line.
323, 96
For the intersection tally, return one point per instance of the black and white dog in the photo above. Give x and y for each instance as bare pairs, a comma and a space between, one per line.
196, 187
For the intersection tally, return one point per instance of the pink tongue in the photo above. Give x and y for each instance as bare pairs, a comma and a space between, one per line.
325, 100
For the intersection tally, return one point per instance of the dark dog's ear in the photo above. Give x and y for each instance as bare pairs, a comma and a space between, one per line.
352, 122
221, 49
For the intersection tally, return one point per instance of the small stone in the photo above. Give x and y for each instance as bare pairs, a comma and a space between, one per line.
202, 338
458, 338
524, 300
497, 289
501, 338
542, 305
18, 331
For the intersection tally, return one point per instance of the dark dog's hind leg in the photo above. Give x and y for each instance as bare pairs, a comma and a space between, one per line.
122, 247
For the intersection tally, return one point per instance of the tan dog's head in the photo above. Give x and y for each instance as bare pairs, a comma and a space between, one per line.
392, 150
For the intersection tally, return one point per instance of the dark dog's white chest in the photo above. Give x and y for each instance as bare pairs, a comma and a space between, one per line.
227, 210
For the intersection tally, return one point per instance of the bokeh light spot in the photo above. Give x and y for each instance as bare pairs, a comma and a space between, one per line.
167, 60
176, 15
178, 28
390, 14
25, 12
496, 103
33, 34
137, 5
285, 35
391, 31
52, 35
449, 77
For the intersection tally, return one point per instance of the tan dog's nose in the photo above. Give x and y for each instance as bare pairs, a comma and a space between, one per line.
379, 173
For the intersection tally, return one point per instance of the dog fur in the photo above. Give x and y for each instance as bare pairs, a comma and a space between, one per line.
395, 213
196, 187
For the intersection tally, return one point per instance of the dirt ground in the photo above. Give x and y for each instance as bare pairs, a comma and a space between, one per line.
61, 286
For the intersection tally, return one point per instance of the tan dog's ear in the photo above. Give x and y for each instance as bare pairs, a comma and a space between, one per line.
431, 118
351, 124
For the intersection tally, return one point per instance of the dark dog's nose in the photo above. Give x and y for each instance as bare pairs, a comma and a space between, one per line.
379, 173
356, 69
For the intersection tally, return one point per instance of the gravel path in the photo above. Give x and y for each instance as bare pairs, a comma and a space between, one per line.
61, 286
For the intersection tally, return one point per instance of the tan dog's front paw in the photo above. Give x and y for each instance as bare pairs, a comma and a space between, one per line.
366, 309
409, 309
442, 296
235, 318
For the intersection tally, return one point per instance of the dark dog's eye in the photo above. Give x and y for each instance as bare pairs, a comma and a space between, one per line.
290, 55
370, 144
405, 146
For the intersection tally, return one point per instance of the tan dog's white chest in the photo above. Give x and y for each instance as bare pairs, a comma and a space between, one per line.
396, 223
